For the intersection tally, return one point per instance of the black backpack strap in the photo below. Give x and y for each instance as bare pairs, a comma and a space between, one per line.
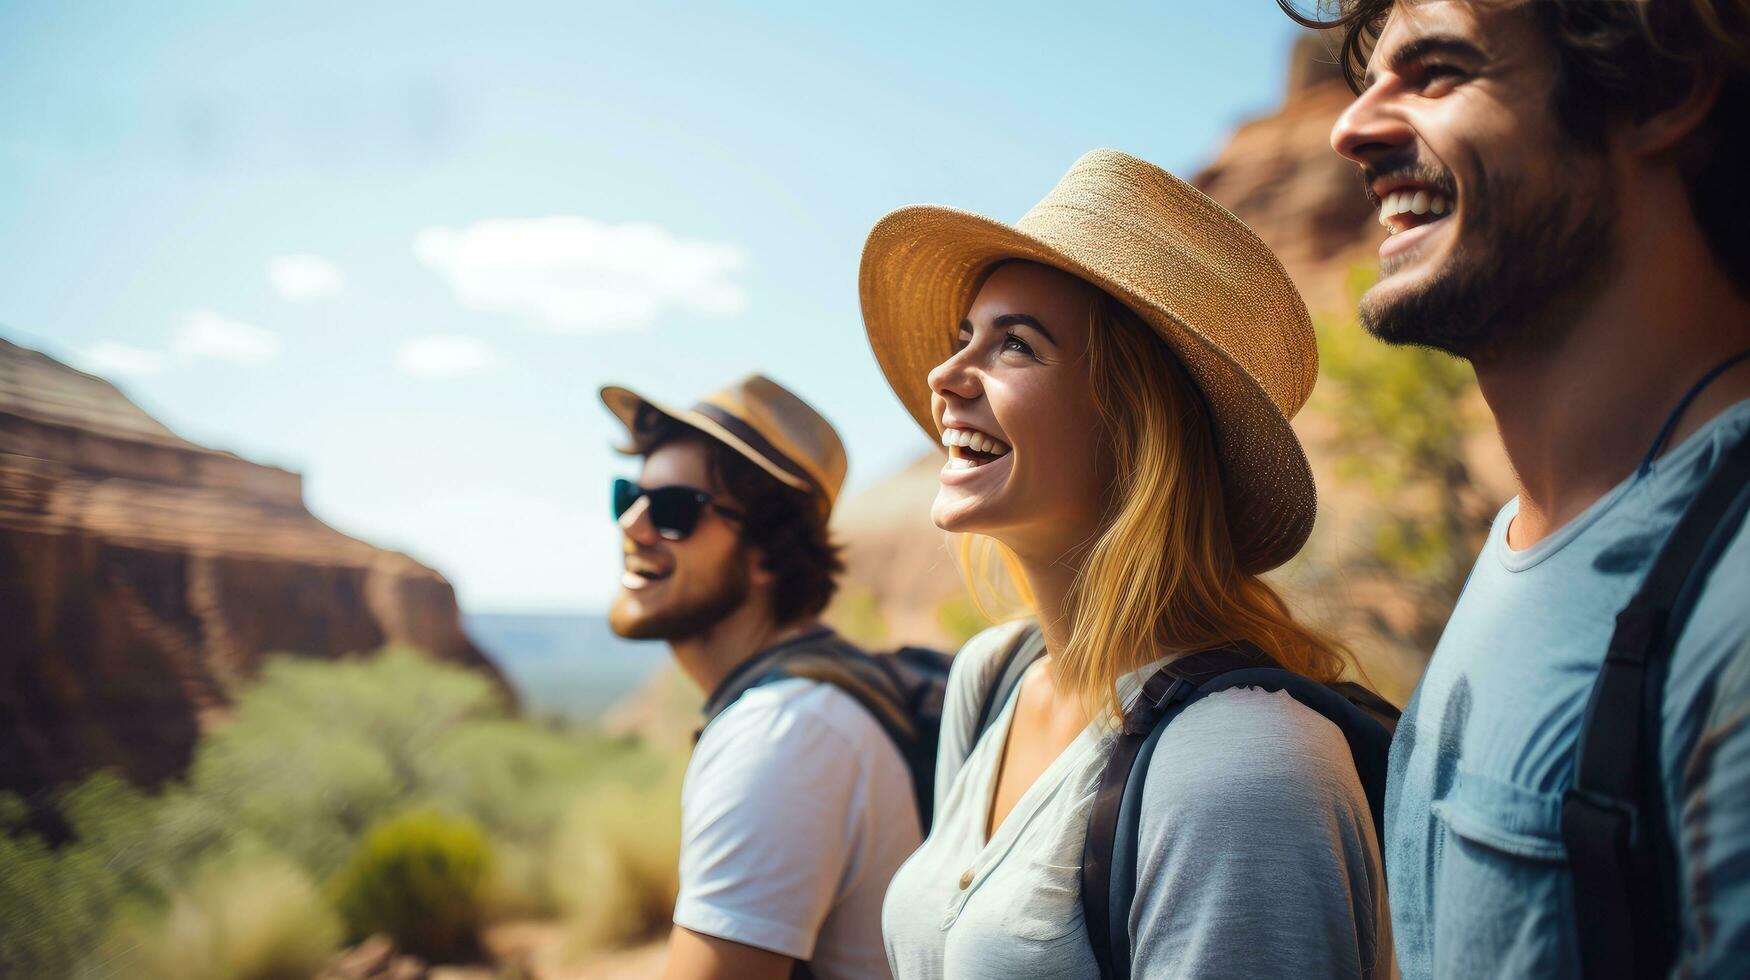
1365, 719
762, 668
821, 655
871, 681
1109, 854
1023, 652
1614, 816
1109, 857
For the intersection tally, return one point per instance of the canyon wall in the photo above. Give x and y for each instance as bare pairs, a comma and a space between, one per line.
142, 577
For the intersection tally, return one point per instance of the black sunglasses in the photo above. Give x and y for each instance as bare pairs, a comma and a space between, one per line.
674, 511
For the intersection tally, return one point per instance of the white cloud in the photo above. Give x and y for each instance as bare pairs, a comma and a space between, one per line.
303, 278
446, 357
579, 275
205, 334
112, 359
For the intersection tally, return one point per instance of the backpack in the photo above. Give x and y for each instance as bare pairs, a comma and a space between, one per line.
1613, 816
1109, 856
902, 690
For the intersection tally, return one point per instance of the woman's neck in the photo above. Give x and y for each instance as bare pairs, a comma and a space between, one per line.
1051, 581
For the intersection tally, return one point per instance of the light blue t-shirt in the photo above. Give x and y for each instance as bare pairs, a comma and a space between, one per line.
1480, 885
1256, 853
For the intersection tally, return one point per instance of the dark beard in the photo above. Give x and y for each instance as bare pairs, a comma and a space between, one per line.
1523, 265
693, 615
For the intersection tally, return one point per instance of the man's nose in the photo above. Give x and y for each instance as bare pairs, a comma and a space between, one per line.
635, 523
1371, 127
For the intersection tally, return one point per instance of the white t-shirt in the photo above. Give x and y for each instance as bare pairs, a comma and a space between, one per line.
796, 810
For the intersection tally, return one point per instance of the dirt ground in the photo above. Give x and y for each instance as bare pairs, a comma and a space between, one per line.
540, 948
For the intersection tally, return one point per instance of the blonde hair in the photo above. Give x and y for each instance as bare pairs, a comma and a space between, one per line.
1160, 577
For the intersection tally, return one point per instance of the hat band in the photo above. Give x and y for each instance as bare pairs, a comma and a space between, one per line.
758, 443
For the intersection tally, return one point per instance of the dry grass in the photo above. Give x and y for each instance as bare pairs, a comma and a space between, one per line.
259, 918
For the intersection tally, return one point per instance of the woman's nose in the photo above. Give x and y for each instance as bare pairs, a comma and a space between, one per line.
956, 376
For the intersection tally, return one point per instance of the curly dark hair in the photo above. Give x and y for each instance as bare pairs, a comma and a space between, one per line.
1618, 60
788, 526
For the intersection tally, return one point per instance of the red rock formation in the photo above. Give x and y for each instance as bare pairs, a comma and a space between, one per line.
143, 576
1279, 174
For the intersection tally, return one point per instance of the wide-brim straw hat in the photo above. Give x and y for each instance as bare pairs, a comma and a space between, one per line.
758, 418
1203, 280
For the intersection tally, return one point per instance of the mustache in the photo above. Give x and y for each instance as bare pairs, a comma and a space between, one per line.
1406, 166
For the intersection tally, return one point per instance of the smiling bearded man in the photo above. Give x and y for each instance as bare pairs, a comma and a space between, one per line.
798, 806
1565, 184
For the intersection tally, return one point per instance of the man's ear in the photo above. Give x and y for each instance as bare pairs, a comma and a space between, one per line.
1666, 128
757, 572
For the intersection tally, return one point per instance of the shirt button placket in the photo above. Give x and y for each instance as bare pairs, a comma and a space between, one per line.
958, 900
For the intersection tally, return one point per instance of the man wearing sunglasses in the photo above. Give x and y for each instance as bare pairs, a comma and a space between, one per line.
797, 807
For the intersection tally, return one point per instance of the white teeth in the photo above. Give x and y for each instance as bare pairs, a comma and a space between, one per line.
1410, 202
975, 441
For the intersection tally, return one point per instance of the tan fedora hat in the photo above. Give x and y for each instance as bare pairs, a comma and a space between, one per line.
756, 417
1215, 293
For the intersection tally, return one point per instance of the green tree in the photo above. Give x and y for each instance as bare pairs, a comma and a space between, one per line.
1404, 416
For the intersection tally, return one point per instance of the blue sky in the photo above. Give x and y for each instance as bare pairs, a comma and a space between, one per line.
397, 246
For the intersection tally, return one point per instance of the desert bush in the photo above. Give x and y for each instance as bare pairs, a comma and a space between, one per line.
316, 755
616, 859
319, 751
1404, 416
856, 614
960, 619
55, 904
420, 877
256, 917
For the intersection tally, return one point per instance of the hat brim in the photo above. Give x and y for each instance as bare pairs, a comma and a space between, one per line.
919, 270
626, 405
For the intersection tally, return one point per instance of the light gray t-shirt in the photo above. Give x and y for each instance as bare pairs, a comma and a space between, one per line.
796, 810
1257, 852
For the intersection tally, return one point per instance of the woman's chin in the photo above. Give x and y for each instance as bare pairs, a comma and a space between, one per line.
956, 511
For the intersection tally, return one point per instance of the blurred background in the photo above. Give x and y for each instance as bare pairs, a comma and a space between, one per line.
304, 541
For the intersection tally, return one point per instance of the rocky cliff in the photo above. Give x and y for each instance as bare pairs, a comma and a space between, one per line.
1279, 174
143, 576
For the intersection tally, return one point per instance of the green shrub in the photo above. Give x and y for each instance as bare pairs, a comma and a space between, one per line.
54, 904
316, 754
241, 918
421, 877
857, 615
960, 619
616, 862
319, 751
1404, 416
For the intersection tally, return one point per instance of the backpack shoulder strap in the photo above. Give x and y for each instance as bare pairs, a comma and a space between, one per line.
1110, 855
1108, 875
820, 655
1022, 652
760, 669
1614, 815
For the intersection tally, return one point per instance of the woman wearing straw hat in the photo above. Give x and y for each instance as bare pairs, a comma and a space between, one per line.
1113, 377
